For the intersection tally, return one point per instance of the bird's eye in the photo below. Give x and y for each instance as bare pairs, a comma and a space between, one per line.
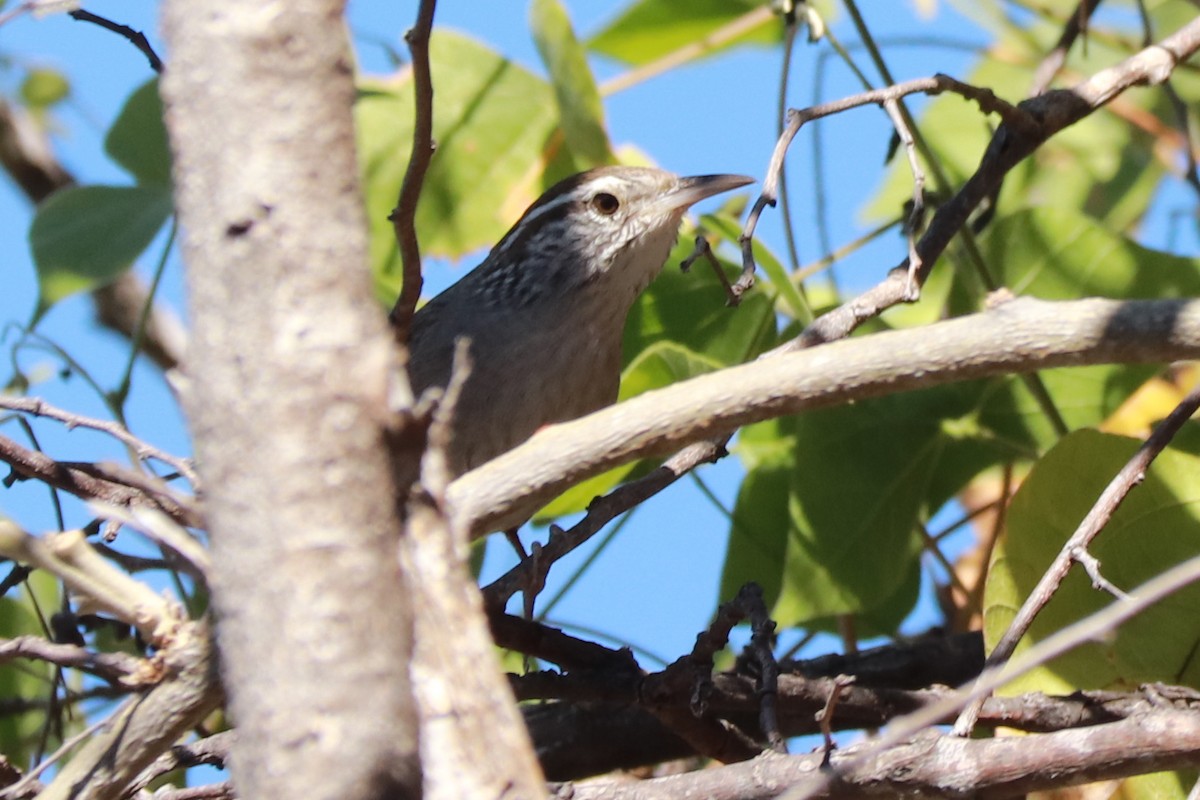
606, 203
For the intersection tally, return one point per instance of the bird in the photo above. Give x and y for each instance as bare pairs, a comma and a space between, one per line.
543, 314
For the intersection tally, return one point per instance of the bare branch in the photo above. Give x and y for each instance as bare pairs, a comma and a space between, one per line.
112, 667
1054, 60
944, 766
93, 482
1024, 129
600, 512
1133, 473
1021, 335
144, 451
404, 215
146, 725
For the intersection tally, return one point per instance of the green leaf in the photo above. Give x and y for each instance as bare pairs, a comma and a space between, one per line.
650, 29
43, 88
137, 139
1056, 253
690, 308
495, 124
32, 680
1059, 253
1156, 527
580, 110
858, 481
85, 237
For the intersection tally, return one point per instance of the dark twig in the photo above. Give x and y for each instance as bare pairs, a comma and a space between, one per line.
1130, 475
704, 250
551, 644
693, 675
95, 483
403, 217
1052, 63
136, 38
762, 638
112, 667
600, 512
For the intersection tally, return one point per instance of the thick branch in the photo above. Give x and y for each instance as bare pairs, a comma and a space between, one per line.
1020, 335
146, 725
288, 401
946, 766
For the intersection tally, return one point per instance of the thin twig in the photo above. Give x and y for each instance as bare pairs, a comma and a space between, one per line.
93, 482
144, 451
1065, 640
762, 640
112, 667
1022, 131
403, 217
19, 788
704, 250
1054, 60
824, 717
1130, 475
600, 512
988, 102
917, 215
136, 38
1181, 109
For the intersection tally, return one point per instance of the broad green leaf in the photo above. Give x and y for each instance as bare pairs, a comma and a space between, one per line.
495, 124
858, 479
579, 107
1157, 786
690, 308
43, 88
650, 29
1059, 253
662, 364
84, 237
763, 547
1056, 253
28, 679
137, 139
1156, 527
759, 540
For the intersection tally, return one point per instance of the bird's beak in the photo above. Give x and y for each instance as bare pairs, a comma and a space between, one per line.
698, 187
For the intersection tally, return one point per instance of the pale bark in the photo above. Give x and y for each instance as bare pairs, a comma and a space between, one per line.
287, 387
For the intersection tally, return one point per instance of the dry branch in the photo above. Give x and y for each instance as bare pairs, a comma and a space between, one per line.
1020, 335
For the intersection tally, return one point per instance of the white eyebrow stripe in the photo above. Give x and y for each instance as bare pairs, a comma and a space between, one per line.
562, 199
610, 183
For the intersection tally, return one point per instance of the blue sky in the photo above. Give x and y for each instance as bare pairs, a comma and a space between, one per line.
656, 585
